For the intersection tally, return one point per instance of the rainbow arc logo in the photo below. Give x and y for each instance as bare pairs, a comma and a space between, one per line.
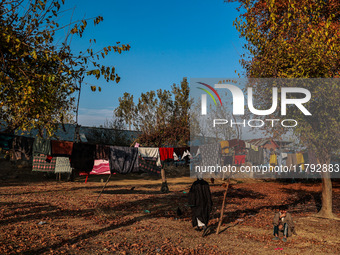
209, 93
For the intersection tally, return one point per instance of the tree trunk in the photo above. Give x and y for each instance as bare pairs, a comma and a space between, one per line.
327, 203
327, 200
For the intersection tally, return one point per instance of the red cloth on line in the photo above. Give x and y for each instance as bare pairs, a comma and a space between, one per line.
239, 159
166, 153
61, 148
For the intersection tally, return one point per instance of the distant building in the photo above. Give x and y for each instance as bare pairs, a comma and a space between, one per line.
72, 132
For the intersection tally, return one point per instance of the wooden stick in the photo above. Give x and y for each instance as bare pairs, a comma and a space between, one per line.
222, 210
102, 190
163, 174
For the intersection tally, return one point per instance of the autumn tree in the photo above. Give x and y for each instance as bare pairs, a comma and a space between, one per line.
161, 116
38, 75
126, 109
181, 114
298, 39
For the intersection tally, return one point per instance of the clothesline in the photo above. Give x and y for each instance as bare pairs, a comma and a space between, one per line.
61, 156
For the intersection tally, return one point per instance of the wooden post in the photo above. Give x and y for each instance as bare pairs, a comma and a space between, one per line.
163, 175
102, 190
225, 186
164, 187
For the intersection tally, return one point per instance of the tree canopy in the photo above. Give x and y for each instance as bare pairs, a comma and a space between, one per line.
289, 39
162, 116
298, 39
38, 75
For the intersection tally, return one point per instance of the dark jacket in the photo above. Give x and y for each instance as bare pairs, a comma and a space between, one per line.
200, 202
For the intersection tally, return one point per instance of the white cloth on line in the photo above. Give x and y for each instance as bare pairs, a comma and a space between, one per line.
149, 152
186, 153
62, 165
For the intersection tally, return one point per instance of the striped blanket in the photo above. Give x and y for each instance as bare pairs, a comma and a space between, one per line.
101, 166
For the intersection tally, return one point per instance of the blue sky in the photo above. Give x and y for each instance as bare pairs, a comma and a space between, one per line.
169, 40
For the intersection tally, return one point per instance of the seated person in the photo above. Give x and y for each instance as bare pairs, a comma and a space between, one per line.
283, 223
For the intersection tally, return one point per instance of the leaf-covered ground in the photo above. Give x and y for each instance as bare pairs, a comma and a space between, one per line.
133, 217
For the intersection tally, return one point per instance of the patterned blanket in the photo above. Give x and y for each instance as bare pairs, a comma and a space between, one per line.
149, 165
40, 164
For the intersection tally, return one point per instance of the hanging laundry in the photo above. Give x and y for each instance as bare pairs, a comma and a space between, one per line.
22, 147
186, 155
273, 160
254, 147
240, 159
40, 164
124, 160
255, 156
166, 153
247, 145
200, 202
300, 160
175, 157
148, 165
266, 156
137, 145
227, 160
62, 165
291, 159
42, 146
102, 151
82, 158
180, 151
224, 147
259, 156
101, 166
210, 154
284, 155
148, 152
279, 158
250, 156
284, 158
194, 150
196, 159
305, 157
61, 148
